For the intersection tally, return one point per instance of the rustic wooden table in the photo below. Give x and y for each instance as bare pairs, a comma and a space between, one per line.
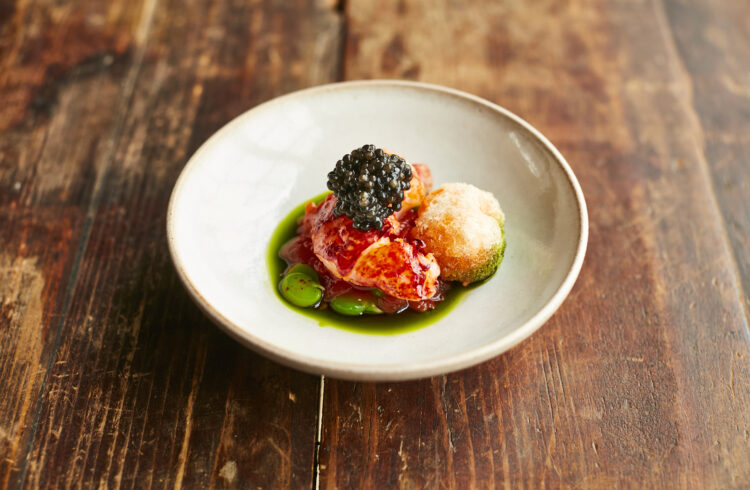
112, 377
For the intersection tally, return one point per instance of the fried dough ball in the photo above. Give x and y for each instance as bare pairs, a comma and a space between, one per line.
462, 226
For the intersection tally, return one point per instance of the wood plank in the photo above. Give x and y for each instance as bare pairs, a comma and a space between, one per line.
142, 390
713, 42
644, 374
58, 64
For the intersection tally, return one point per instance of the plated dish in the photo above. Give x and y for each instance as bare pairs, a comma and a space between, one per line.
382, 242
245, 180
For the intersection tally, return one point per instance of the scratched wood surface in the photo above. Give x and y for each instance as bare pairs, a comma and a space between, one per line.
642, 378
111, 377
713, 42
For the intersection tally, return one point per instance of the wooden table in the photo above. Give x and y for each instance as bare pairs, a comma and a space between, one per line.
112, 377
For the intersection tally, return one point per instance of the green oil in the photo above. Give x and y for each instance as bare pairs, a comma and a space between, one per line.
369, 324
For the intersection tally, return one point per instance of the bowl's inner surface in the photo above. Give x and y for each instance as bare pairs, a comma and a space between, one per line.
253, 172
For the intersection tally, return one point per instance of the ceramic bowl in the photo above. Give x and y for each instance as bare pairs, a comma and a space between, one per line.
249, 175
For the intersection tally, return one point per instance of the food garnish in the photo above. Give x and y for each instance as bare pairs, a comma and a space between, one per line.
369, 186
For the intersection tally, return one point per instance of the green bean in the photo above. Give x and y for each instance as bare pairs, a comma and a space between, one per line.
354, 306
347, 305
301, 290
304, 269
372, 309
378, 293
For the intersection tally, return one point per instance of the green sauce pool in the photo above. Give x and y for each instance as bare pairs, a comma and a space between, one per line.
366, 324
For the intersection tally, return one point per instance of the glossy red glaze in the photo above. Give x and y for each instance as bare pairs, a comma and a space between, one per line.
391, 305
335, 238
429, 304
387, 259
398, 265
298, 250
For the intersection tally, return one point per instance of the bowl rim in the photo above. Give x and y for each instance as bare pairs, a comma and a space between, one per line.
393, 371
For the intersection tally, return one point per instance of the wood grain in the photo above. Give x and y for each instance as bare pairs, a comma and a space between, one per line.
111, 377
55, 67
713, 41
643, 376
115, 378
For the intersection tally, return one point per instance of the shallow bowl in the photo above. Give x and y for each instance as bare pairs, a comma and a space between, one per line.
250, 174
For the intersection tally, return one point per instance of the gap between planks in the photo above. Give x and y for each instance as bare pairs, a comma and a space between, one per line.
340, 7
129, 85
318, 435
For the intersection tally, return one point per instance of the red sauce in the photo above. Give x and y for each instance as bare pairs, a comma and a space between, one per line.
346, 244
429, 304
298, 250
342, 240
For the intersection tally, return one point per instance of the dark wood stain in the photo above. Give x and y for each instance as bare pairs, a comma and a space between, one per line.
57, 76
392, 54
499, 49
115, 377
112, 377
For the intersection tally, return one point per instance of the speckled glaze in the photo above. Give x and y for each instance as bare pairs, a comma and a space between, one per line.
251, 173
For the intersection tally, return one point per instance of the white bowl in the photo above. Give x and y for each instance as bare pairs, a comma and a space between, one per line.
249, 175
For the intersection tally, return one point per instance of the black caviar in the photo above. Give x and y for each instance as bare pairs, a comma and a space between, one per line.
369, 185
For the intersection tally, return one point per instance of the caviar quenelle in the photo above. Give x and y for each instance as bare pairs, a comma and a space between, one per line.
369, 185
